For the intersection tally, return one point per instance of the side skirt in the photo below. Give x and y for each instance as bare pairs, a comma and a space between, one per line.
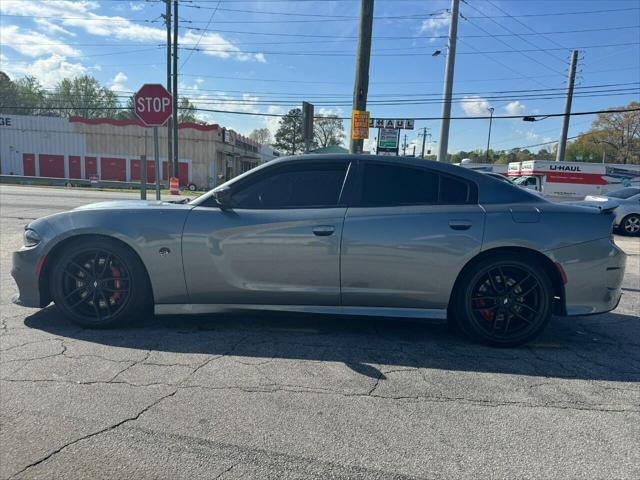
438, 316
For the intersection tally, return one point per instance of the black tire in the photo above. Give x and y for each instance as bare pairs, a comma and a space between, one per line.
630, 225
503, 300
192, 187
100, 283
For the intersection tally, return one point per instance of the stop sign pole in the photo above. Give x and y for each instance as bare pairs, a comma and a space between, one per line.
153, 105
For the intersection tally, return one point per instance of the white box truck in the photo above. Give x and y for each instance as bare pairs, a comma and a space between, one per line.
573, 180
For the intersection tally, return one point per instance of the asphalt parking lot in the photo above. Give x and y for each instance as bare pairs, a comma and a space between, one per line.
290, 396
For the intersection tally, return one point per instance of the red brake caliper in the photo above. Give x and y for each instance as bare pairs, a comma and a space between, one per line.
486, 313
117, 284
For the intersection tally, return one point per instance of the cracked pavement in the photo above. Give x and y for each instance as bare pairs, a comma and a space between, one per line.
301, 396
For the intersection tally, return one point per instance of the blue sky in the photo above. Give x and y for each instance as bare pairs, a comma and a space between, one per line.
267, 56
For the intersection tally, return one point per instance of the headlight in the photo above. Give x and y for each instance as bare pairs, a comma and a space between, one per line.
31, 238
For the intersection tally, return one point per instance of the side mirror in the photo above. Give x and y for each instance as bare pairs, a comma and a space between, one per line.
223, 197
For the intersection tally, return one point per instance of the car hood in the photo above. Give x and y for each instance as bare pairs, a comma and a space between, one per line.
596, 198
134, 205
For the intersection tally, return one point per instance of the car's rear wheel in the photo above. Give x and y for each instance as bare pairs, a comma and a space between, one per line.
630, 224
503, 300
99, 283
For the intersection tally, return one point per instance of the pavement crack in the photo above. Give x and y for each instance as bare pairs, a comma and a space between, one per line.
221, 474
93, 434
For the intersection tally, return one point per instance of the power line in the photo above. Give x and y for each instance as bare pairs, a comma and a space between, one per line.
262, 114
201, 36
413, 37
527, 27
421, 82
533, 59
429, 52
423, 94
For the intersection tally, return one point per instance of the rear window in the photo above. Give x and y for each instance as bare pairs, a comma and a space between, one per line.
389, 185
396, 185
453, 191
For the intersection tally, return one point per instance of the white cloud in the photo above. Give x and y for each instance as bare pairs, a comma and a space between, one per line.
79, 14
50, 27
475, 106
432, 25
216, 45
272, 123
49, 71
136, 6
34, 44
531, 135
515, 108
118, 82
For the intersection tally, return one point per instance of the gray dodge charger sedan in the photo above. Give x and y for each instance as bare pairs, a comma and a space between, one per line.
360, 235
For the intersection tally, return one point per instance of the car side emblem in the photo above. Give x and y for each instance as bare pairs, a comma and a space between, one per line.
164, 251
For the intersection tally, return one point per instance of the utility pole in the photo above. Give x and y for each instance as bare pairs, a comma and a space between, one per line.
562, 145
167, 19
448, 82
491, 109
404, 146
363, 58
175, 172
424, 134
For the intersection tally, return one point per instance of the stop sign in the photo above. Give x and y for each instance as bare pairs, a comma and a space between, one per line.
153, 104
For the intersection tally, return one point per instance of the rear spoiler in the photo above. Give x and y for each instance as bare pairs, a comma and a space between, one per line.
607, 206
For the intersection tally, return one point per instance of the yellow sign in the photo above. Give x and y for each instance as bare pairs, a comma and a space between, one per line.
359, 125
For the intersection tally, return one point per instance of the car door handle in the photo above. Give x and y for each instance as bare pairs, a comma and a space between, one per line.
324, 230
459, 224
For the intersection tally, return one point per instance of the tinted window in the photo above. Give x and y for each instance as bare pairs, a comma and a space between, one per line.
385, 185
308, 187
624, 193
453, 191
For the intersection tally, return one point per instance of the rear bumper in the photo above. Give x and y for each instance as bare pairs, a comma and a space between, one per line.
24, 272
595, 271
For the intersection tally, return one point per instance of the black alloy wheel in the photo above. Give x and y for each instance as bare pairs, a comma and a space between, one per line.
505, 302
99, 283
96, 284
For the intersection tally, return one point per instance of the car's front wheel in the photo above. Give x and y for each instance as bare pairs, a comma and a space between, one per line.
503, 300
99, 283
630, 224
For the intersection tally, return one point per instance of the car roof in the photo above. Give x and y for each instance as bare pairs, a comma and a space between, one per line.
490, 190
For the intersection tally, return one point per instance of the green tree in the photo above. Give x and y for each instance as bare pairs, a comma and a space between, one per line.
31, 97
328, 130
289, 137
22, 97
620, 132
85, 97
584, 149
544, 154
8, 94
187, 112
261, 135
128, 112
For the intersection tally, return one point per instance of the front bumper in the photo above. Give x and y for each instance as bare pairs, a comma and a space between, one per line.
595, 271
25, 272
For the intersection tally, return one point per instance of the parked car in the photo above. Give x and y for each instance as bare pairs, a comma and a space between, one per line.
337, 234
627, 212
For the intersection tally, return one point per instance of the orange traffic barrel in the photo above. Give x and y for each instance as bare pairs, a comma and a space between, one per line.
174, 187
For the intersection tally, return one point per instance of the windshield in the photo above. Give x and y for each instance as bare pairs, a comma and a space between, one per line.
624, 193
524, 181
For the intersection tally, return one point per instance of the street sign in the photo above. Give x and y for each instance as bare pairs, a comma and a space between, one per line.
153, 104
359, 125
397, 123
388, 139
